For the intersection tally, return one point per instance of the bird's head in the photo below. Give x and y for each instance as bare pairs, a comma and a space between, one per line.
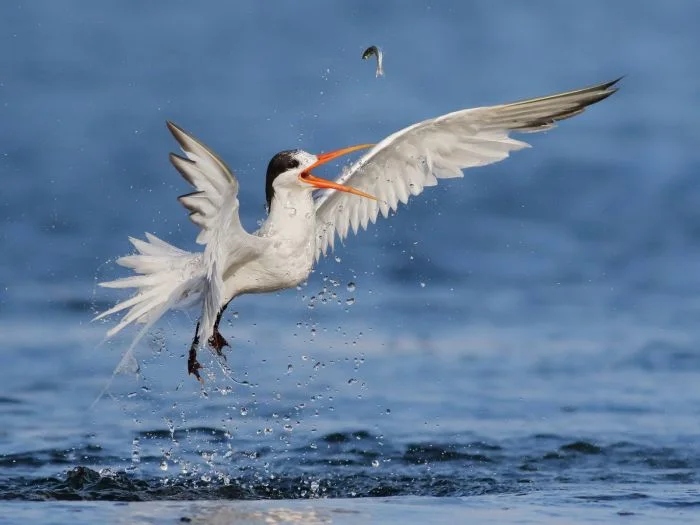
292, 169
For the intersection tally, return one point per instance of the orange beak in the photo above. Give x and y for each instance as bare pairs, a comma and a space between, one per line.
316, 182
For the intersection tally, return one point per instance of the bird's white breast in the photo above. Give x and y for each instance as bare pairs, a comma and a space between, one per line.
289, 257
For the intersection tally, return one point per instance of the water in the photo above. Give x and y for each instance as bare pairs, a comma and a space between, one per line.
517, 346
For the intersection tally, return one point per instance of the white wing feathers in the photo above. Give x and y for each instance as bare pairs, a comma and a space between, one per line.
167, 277
210, 176
411, 159
214, 208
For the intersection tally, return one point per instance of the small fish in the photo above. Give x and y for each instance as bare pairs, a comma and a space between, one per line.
374, 50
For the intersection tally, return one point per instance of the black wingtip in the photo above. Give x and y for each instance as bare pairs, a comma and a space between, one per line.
603, 91
177, 132
179, 163
175, 159
610, 84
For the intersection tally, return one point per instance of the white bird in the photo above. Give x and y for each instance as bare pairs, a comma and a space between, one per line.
300, 228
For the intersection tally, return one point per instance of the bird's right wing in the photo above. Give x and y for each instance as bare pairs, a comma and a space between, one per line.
214, 208
415, 157
216, 186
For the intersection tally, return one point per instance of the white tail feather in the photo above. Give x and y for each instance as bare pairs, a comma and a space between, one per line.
168, 278
166, 275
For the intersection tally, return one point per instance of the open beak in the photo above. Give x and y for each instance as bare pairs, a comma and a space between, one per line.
323, 158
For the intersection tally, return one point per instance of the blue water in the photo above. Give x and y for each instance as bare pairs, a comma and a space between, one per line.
522, 345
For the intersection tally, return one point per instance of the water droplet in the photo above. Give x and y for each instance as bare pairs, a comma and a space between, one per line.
375, 463
292, 211
164, 465
422, 284
350, 301
337, 259
289, 369
352, 286
244, 411
314, 486
135, 453
131, 395
352, 381
288, 427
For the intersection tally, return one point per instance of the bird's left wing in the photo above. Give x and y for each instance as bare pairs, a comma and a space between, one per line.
406, 162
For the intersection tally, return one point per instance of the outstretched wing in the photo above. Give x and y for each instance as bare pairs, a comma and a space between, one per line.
214, 208
406, 162
216, 186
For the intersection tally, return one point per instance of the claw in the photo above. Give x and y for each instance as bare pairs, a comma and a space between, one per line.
217, 342
193, 366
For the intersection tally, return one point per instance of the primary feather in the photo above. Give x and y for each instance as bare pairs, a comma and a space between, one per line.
406, 162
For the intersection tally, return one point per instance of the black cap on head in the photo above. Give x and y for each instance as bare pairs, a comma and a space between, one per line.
283, 161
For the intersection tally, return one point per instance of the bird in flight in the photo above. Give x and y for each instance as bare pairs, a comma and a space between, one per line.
300, 227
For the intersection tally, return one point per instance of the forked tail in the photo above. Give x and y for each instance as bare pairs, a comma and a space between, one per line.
166, 278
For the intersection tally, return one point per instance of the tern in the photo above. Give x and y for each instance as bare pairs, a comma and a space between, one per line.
302, 227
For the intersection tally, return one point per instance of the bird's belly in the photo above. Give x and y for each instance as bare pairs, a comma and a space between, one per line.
284, 265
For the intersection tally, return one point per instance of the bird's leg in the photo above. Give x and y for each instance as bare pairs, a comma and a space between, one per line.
193, 365
217, 341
